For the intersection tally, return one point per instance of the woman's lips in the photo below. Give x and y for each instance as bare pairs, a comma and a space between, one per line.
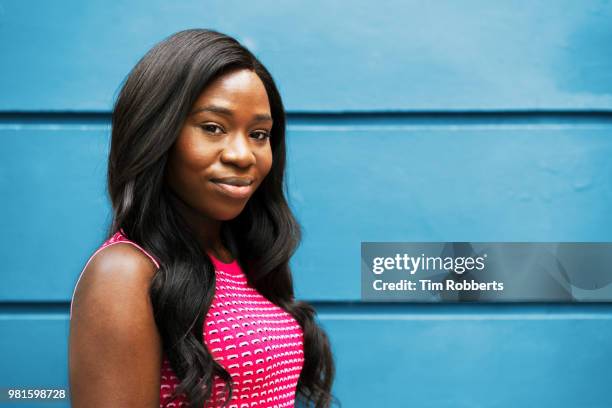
232, 190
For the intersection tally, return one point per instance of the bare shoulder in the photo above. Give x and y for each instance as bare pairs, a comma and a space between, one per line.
115, 348
115, 275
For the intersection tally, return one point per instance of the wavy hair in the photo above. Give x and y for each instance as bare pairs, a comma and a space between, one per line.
152, 105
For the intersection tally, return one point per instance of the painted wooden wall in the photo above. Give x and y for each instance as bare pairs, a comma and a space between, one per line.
408, 121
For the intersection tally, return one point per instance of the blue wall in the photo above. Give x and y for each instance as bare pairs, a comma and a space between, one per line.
408, 121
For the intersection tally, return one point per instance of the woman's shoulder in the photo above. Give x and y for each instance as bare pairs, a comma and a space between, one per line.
116, 273
121, 256
118, 268
113, 335
121, 261
120, 238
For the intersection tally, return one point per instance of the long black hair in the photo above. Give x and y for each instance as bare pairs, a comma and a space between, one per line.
149, 112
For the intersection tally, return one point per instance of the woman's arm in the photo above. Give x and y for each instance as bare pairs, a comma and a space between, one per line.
115, 349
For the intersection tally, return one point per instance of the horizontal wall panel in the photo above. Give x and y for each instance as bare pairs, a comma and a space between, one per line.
34, 353
441, 183
399, 181
73, 55
463, 360
55, 210
406, 355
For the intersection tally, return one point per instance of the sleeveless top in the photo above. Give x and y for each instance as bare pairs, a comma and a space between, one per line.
258, 343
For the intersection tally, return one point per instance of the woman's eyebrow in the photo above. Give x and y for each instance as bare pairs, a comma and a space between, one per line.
227, 112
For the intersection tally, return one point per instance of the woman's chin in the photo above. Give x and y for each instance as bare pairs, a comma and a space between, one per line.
228, 214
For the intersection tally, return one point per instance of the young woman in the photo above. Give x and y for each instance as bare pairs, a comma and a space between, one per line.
189, 301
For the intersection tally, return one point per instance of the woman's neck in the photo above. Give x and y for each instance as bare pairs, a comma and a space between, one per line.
207, 231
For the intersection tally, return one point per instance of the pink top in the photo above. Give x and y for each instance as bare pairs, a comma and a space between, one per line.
259, 344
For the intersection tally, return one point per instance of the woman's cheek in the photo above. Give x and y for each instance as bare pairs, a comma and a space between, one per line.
268, 161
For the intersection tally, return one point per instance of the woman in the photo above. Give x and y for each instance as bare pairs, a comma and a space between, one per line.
190, 299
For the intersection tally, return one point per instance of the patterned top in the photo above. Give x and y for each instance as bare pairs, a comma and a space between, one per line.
259, 344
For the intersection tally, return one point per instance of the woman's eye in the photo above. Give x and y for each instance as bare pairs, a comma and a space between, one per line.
211, 128
261, 135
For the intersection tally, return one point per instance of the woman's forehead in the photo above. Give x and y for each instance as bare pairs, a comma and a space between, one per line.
235, 86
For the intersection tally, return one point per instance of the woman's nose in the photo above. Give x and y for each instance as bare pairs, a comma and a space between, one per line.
238, 151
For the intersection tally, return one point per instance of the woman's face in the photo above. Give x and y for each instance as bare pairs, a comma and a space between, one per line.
223, 151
